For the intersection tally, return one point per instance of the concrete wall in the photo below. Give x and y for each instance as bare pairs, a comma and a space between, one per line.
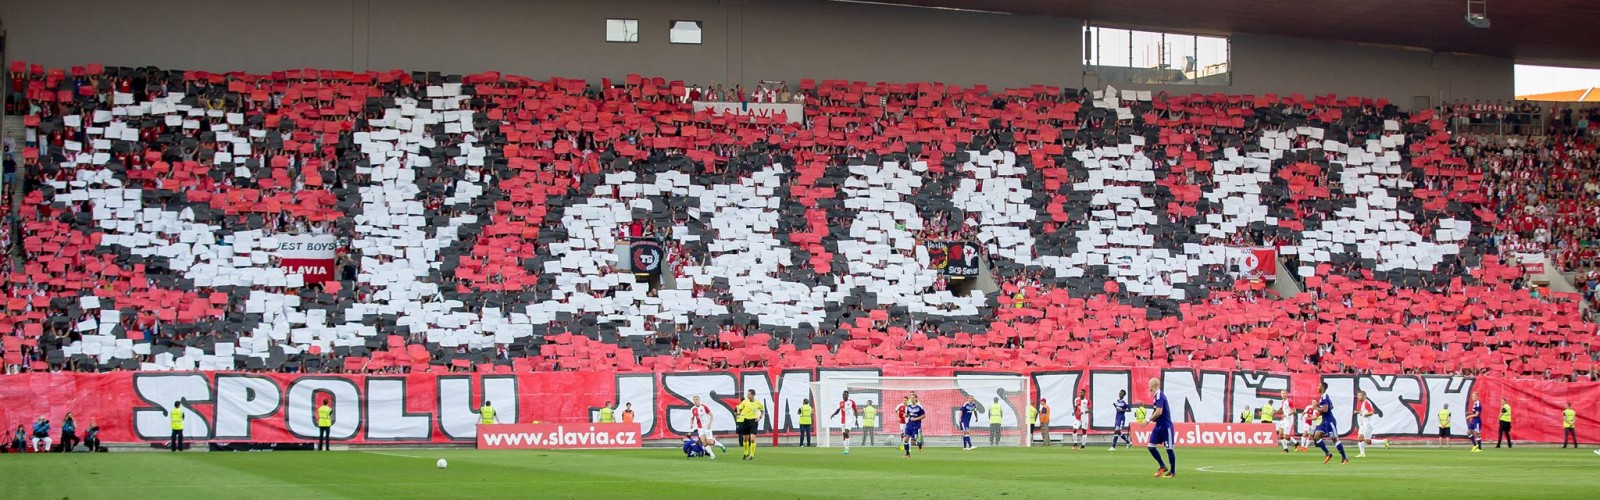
806, 39
220, 35
744, 41
1264, 64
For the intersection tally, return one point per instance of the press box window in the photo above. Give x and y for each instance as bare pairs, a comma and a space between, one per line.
1133, 56
622, 30
685, 32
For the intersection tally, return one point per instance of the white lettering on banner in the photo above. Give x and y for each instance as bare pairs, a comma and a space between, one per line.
308, 255
387, 418
793, 113
307, 393
986, 388
307, 246
829, 401
1057, 389
1342, 393
1192, 399
1255, 390
242, 398
714, 389
1532, 263
161, 391
282, 408
793, 388
1453, 391
639, 389
1103, 387
1195, 434
1392, 397
458, 410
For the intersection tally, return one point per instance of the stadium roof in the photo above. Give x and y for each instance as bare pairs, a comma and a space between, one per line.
1547, 32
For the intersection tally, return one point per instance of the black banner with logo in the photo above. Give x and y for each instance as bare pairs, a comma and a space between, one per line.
962, 259
647, 257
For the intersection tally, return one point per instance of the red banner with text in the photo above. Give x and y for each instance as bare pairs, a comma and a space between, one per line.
439, 408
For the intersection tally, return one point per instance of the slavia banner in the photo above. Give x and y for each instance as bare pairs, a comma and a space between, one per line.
442, 407
310, 256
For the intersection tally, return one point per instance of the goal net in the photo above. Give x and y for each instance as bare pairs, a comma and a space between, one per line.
941, 399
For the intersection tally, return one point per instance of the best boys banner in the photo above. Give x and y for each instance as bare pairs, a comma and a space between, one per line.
442, 408
310, 256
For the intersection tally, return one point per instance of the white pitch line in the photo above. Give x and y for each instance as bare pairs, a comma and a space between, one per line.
1310, 468
391, 454
741, 479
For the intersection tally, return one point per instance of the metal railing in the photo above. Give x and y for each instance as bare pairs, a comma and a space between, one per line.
1507, 124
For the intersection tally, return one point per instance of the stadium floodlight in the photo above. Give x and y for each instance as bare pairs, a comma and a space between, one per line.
1478, 13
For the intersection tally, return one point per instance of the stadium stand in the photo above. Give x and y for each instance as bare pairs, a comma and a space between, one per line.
478, 221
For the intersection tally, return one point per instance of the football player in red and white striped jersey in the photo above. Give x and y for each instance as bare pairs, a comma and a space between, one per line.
700, 420
1080, 414
847, 418
1365, 413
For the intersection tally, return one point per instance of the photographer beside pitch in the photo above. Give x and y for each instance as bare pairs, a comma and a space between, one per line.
69, 433
41, 434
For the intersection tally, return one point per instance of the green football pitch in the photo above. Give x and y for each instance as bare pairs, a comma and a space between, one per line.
878, 472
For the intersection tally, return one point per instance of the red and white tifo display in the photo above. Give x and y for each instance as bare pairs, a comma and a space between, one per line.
410, 245
435, 408
182, 223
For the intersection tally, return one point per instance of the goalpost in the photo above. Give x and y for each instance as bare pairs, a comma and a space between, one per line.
941, 398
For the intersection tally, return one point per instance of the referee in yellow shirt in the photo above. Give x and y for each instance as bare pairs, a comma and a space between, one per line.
1569, 419
749, 414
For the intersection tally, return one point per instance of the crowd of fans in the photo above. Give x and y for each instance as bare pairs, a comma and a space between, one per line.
1545, 189
1495, 116
558, 137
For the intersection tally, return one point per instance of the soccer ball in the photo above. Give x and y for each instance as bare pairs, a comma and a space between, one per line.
443, 463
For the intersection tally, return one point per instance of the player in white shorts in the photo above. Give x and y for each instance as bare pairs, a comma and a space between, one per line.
1365, 413
1285, 423
846, 413
1287, 428
1308, 425
1080, 415
700, 421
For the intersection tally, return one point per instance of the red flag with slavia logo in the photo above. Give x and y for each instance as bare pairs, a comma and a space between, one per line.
1261, 263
